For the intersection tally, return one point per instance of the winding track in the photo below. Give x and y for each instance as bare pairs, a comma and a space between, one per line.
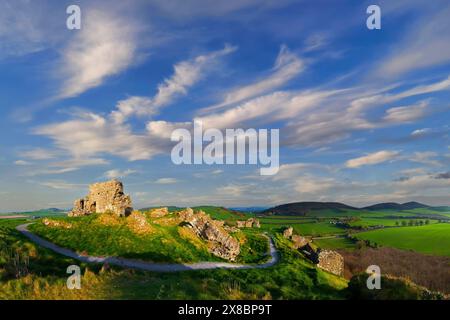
147, 266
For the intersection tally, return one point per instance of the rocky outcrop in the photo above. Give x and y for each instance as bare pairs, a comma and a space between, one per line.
220, 243
102, 197
250, 223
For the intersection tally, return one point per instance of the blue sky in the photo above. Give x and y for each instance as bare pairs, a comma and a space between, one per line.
363, 114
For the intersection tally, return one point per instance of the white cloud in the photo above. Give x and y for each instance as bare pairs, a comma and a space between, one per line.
133, 105
21, 163
287, 66
116, 173
186, 74
406, 113
166, 181
60, 185
421, 132
42, 172
90, 134
373, 158
39, 154
79, 162
106, 45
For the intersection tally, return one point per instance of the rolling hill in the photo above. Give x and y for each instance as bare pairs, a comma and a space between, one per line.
396, 206
340, 209
306, 208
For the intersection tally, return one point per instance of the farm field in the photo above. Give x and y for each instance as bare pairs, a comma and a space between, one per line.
387, 222
335, 243
430, 239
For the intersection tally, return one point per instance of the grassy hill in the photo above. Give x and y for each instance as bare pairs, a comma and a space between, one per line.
307, 208
396, 206
45, 277
164, 240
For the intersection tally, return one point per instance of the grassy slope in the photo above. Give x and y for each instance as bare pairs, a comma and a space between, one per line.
431, 239
292, 278
163, 244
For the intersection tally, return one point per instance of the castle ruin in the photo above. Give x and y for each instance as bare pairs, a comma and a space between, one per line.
103, 197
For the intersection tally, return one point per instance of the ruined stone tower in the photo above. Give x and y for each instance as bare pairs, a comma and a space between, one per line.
103, 196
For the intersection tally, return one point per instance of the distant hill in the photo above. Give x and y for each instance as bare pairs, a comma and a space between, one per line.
249, 209
306, 208
396, 206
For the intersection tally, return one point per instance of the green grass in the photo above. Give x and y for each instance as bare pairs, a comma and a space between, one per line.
163, 244
317, 229
387, 222
221, 213
89, 236
430, 239
306, 226
292, 278
335, 243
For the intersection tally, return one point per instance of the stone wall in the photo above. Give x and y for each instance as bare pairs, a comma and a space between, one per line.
102, 197
331, 261
250, 223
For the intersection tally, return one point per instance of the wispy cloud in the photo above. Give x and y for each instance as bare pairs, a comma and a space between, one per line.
372, 158
427, 44
186, 74
166, 181
106, 45
117, 173
287, 66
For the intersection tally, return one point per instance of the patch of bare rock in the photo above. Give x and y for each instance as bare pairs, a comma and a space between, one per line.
327, 260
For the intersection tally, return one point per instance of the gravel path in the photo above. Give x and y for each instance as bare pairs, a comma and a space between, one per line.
147, 266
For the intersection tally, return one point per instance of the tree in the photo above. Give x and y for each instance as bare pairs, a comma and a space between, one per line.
427, 221
404, 223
